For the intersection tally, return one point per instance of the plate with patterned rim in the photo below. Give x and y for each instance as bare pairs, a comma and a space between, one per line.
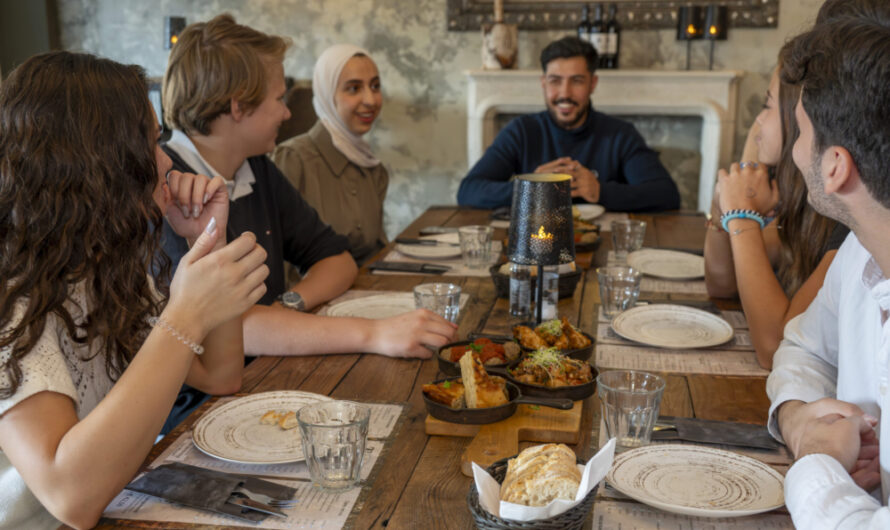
375, 307
589, 211
672, 326
233, 432
699, 481
667, 264
450, 247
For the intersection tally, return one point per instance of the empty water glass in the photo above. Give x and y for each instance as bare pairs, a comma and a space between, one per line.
442, 299
334, 435
619, 288
627, 236
630, 402
475, 245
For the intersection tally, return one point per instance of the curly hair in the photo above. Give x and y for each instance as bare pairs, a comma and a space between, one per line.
77, 176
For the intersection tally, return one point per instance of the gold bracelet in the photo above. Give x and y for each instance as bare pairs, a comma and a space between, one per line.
160, 322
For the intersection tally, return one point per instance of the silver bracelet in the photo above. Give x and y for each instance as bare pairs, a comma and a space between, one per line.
195, 347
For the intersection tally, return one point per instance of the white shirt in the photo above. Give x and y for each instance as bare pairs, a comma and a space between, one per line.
240, 186
839, 347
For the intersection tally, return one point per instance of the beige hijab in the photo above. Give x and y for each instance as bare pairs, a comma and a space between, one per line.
324, 86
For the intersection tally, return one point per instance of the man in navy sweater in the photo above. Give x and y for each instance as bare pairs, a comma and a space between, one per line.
609, 161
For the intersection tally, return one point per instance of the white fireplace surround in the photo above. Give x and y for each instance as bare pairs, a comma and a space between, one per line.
711, 95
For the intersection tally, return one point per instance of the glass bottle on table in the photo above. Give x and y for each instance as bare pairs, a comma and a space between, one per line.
520, 291
613, 38
550, 296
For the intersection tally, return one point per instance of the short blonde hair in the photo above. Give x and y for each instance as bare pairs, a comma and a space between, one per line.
212, 63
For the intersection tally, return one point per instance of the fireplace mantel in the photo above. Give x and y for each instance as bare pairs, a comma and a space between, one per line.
711, 95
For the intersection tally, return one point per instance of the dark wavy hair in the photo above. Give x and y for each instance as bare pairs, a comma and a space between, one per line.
77, 175
804, 232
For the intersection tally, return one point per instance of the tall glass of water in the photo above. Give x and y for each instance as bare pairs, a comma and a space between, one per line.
630, 402
627, 236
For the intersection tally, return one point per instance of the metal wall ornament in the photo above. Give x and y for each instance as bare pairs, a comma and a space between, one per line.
471, 15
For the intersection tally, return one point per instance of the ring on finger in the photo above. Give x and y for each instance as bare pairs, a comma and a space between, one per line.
752, 165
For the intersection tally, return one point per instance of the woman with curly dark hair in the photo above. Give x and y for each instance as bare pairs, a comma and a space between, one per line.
91, 354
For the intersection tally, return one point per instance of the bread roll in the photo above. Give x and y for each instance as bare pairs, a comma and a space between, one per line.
541, 474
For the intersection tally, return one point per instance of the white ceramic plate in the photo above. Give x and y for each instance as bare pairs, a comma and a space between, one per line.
433, 251
590, 211
376, 307
672, 326
668, 264
700, 481
233, 431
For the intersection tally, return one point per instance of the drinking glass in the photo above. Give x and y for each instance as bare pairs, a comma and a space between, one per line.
619, 288
475, 245
630, 402
440, 298
627, 236
334, 435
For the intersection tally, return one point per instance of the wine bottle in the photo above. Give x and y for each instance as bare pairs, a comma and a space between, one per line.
584, 25
598, 34
613, 32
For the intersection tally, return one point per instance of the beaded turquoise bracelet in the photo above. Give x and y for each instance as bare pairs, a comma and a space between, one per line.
740, 214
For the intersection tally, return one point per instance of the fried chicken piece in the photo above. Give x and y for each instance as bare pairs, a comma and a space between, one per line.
576, 338
528, 338
561, 342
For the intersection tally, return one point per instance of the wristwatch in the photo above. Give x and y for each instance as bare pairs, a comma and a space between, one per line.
292, 300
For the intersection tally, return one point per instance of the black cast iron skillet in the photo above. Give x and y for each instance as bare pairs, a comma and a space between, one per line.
574, 392
581, 354
490, 414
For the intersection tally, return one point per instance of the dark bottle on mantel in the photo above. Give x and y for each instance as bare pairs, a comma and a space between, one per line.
584, 25
598, 34
613, 39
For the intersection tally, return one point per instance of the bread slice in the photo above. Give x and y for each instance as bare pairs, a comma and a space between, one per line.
541, 474
480, 389
271, 417
288, 421
449, 393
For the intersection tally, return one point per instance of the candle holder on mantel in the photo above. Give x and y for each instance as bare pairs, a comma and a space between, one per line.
500, 42
541, 229
690, 24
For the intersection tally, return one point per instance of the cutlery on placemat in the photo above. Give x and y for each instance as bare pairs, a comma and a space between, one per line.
403, 266
240, 499
425, 242
714, 432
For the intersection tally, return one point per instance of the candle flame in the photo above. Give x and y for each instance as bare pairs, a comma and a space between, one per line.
542, 234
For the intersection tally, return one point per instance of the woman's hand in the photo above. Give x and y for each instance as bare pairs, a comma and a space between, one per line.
749, 188
195, 200
213, 286
408, 335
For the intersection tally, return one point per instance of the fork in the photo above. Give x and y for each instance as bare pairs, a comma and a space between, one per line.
265, 499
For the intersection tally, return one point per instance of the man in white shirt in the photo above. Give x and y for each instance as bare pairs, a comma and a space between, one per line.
831, 374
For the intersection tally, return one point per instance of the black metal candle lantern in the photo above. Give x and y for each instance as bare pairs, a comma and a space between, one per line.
716, 27
541, 227
689, 27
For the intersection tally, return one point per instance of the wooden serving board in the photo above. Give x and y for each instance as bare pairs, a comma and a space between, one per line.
494, 441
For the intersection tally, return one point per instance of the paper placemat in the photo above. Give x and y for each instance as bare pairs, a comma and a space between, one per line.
741, 340
316, 508
614, 515
708, 362
605, 221
457, 265
656, 285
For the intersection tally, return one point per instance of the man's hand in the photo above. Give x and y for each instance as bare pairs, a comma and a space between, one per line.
866, 472
409, 334
837, 436
584, 181
793, 417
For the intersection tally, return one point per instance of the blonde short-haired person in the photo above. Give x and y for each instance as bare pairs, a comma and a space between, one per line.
332, 166
223, 93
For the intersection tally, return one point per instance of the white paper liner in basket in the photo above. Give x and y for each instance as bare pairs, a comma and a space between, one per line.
591, 474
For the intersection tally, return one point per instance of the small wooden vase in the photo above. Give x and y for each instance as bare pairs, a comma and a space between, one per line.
500, 44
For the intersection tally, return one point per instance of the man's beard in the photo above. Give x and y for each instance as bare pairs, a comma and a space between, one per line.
823, 203
579, 117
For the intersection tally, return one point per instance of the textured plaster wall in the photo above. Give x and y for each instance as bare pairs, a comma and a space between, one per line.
421, 133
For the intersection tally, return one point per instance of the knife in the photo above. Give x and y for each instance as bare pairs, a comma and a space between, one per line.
426, 242
239, 499
714, 432
404, 266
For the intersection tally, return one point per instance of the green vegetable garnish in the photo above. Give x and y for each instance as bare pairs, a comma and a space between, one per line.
535, 407
476, 347
553, 327
446, 384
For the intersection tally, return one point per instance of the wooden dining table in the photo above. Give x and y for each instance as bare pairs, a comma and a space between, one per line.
417, 481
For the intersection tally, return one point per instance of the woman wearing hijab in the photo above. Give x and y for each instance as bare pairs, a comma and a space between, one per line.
332, 166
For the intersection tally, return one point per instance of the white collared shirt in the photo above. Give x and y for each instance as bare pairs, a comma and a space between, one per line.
240, 186
839, 347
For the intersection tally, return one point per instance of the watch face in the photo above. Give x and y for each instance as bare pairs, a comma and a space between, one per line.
291, 298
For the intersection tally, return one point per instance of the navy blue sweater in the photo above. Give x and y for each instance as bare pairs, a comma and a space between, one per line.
630, 174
